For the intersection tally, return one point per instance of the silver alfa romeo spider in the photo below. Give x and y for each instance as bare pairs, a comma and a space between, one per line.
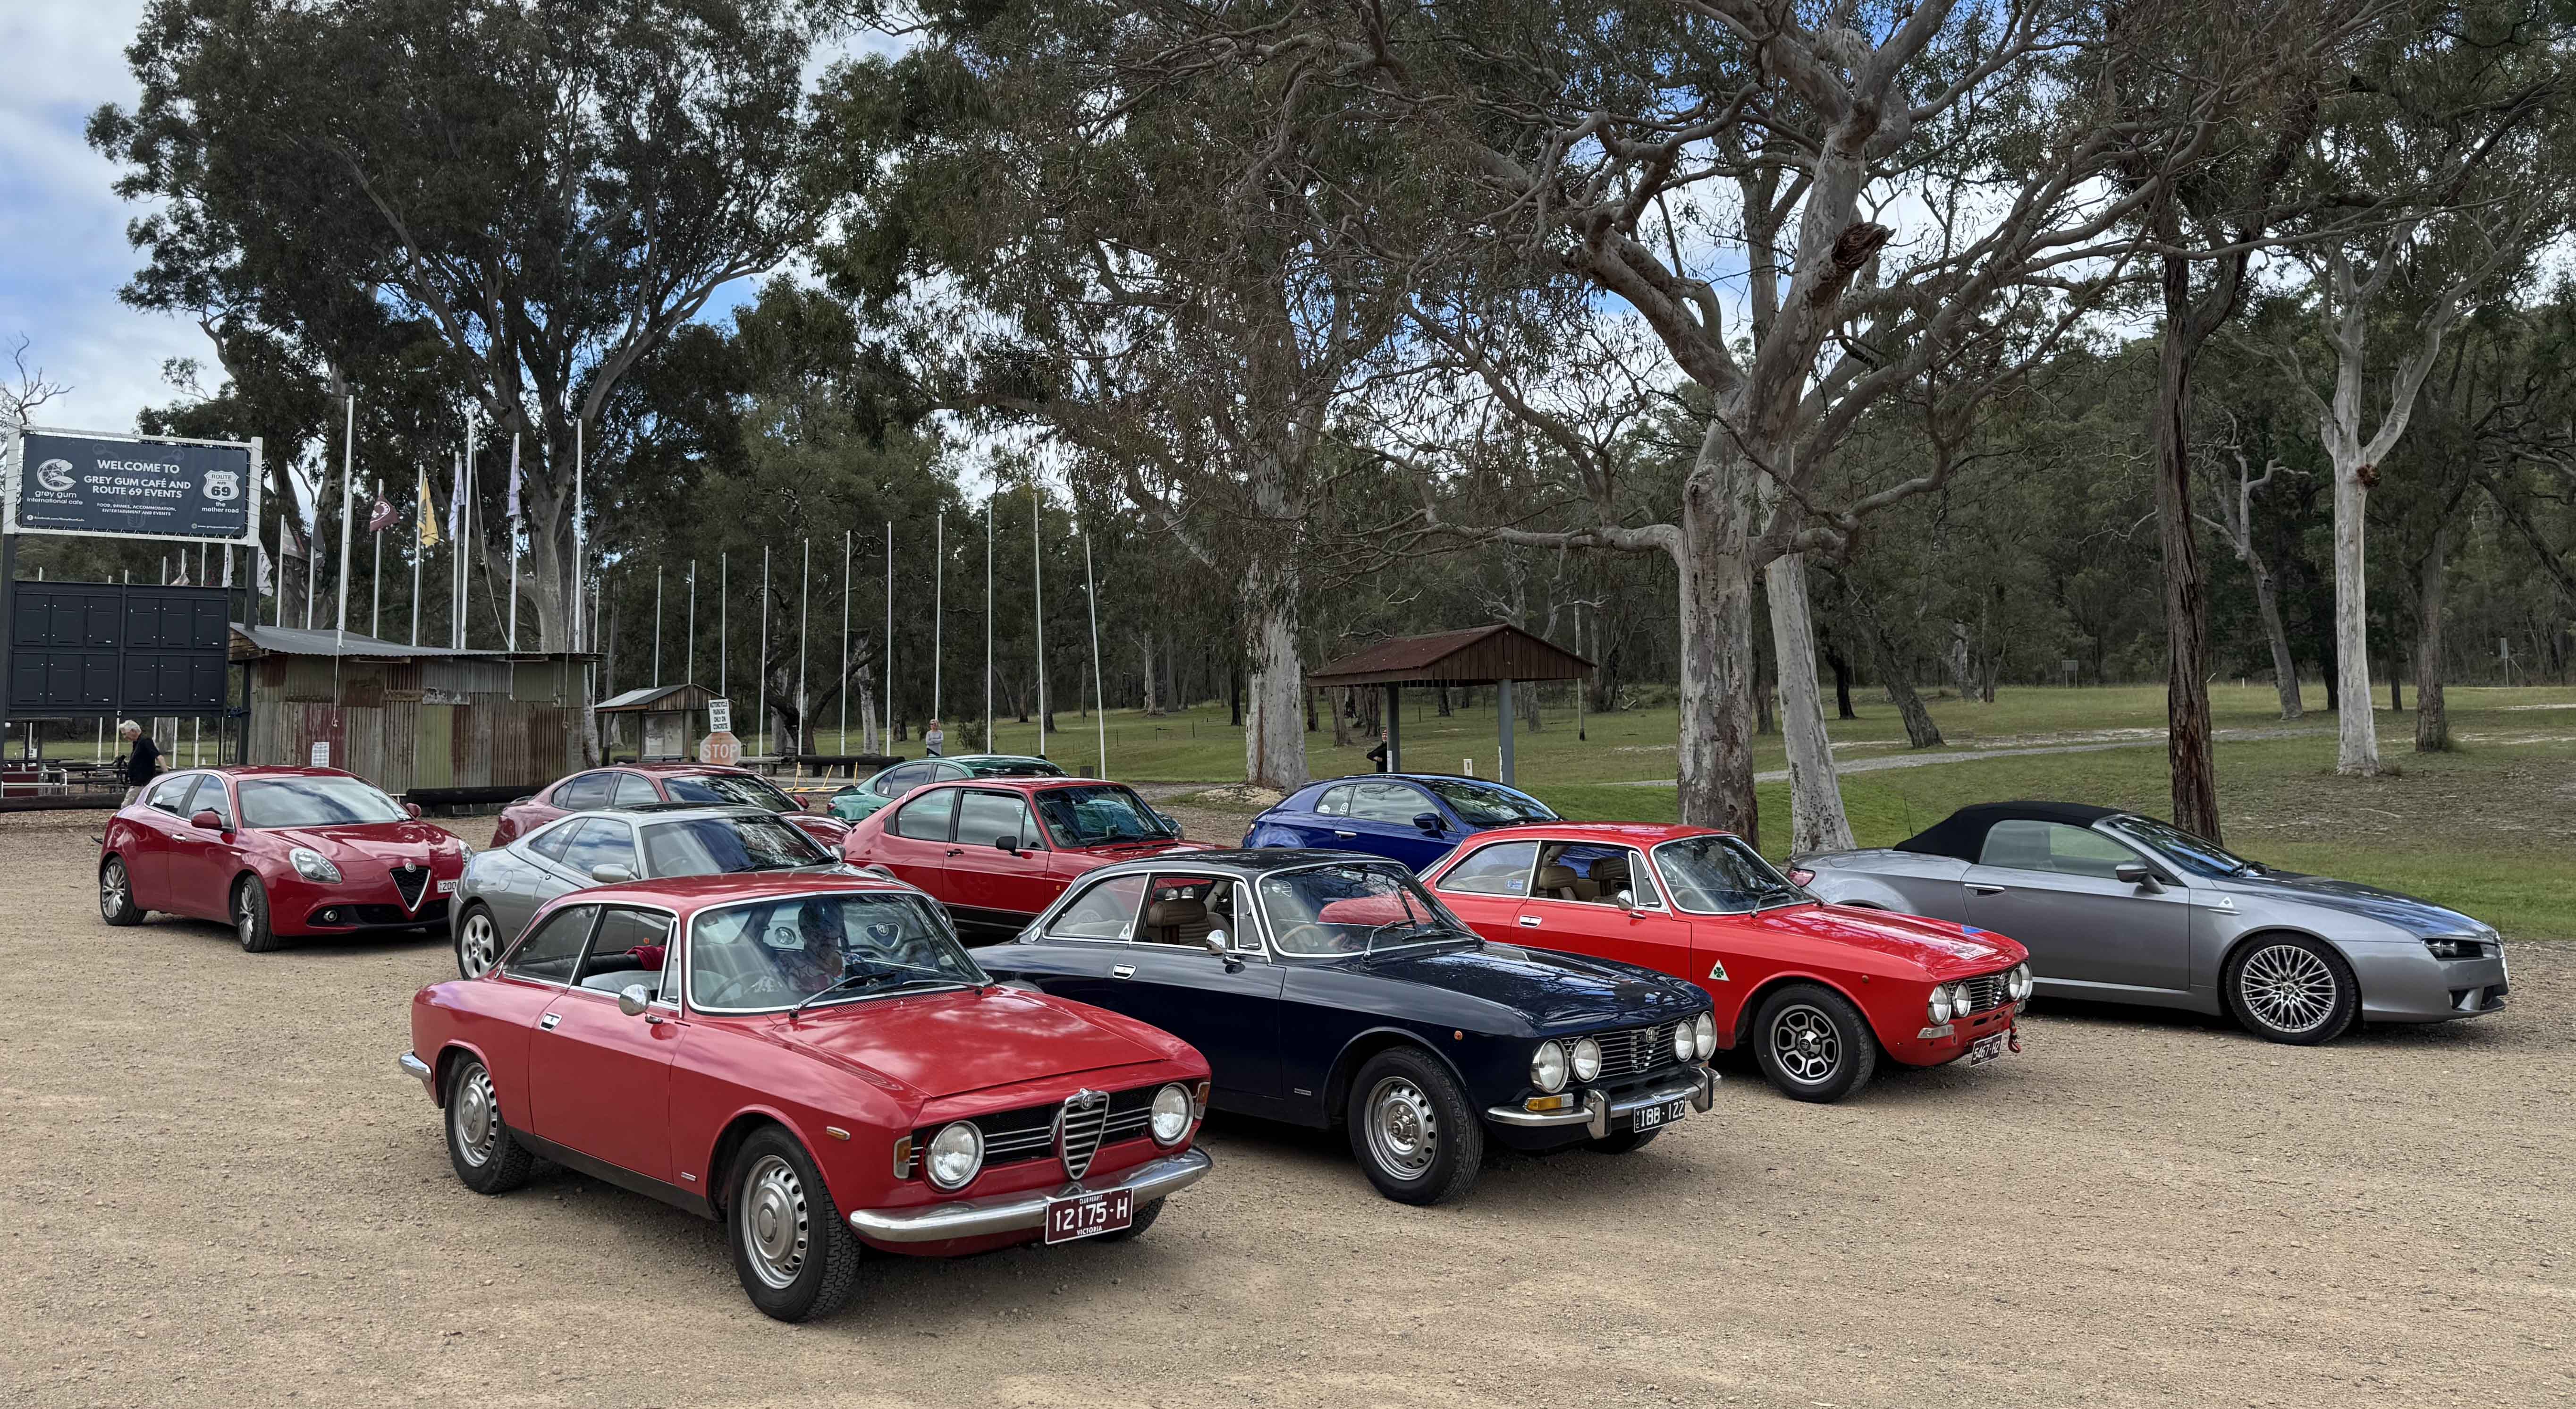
504, 887
2124, 908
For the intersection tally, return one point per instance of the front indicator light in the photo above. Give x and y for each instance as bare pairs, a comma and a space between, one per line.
903, 1157
1557, 1102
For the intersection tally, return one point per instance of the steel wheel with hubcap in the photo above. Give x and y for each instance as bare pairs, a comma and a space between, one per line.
1813, 1044
795, 1257
1412, 1129
478, 943
116, 893
2292, 990
479, 1144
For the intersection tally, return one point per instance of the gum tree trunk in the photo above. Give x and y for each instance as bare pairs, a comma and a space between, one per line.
1816, 819
1274, 734
2285, 668
1714, 561
2356, 733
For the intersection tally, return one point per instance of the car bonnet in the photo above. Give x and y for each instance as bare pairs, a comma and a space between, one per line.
2417, 917
945, 1044
1552, 989
1942, 948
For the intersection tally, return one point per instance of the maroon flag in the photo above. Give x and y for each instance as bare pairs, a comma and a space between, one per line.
380, 517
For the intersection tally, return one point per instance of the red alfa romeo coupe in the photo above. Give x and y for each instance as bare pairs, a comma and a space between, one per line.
1822, 991
998, 851
814, 1061
277, 852
637, 784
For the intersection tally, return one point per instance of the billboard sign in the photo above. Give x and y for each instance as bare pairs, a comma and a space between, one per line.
89, 483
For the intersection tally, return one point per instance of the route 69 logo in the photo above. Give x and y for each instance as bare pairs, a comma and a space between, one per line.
223, 486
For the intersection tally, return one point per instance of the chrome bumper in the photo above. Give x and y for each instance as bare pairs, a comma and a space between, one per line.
419, 1071
1597, 1110
1013, 1213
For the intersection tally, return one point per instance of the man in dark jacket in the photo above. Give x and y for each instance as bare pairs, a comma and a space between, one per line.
142, 760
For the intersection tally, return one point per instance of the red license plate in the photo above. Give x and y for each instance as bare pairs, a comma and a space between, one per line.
1089, 1215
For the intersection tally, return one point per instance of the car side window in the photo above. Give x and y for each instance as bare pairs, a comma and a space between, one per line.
633, 789
905, 779
1501, 869
172, 796
986, 818
209, 797
630, 949
553, 949
583, 793
926, 818
1105, 911
1397, 803
1593, 875
600, 841
1183, 910
950, 773
2027, 845
1336, 802
550, 843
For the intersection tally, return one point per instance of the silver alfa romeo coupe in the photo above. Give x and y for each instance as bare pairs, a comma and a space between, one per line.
2124, 908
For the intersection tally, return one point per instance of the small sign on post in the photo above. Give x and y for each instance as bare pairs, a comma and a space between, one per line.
719, 716
322, 753
720, 747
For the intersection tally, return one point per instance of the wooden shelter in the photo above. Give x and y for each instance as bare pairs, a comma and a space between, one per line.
434, 725
1498, 655
667, 718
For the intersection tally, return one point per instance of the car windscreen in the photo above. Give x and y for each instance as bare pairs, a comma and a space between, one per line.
722, 788
1322, 911
722, 846
777, 952
1484, 805
313, 802
2196, 855
1097, 814
1720, 875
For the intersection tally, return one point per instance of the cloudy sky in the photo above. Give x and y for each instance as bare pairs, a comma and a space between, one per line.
62, 230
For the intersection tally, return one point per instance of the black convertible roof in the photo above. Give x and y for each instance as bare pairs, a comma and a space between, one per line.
1963, 833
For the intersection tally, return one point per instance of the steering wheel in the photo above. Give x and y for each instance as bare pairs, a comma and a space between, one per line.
1307, 937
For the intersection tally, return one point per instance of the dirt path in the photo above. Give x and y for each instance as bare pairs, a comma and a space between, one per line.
2131, 739
216, 1190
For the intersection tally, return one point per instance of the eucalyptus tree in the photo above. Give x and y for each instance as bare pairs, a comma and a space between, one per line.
553, 187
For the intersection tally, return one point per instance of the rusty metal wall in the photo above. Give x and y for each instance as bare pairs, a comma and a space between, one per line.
490, 740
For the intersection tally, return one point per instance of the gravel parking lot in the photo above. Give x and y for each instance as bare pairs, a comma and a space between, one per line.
220, 1191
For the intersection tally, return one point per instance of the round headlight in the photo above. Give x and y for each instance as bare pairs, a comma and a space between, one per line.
1587, 1059
1939, 1007
956, 1153
1684, 1044
1171, 1114
1704, 1036
2019, 983
1547, 1067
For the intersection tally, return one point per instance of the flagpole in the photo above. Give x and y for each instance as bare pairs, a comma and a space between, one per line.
938, 607
804, 614
889, 638
419, 516
689, 652
376, 582
724, 620
760, 682
348, 491
514, 541
279, 601
1037, 600
988, 623
657, 625
1099, 696
845, 646
580, 540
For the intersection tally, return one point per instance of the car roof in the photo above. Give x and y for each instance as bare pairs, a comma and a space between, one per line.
1415, 777
1242, 860
708, 809
1018, 783
269, 770
667, 770
690, 893
1962, 834
1633, 833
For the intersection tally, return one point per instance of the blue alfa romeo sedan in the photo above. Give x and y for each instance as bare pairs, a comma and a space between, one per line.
1414, 818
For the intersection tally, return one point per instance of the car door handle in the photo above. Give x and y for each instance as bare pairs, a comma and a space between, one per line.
1980, 888
1123, 971
1529, 922
1339, 833
549, 1020
956, 851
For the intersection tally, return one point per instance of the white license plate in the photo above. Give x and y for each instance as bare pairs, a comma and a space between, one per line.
1089, 1215
1650, 1117
1986, 1049
447, 887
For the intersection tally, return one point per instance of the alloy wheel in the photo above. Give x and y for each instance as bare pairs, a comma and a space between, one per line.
2288, 987
1805, 1045
776, 1222
477, 946
245, 924
112, 889
476, 1116
1403, 1130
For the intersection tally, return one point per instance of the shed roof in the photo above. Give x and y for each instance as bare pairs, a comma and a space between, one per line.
298, 641
659, 699
1479, 655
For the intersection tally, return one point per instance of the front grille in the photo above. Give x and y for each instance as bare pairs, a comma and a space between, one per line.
1986, 990
434, 913
411, 882
1029, 1133
1636, 1051
1079, 1131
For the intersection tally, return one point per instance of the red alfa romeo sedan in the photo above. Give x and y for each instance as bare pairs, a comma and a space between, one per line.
277, 852
813, 1061
998, 851
631, 784
1821, 991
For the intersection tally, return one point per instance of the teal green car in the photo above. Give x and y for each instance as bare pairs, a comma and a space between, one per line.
860, 799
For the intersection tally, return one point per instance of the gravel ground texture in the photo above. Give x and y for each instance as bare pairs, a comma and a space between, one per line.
218, 1190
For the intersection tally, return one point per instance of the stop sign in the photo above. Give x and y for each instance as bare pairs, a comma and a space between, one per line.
720, 748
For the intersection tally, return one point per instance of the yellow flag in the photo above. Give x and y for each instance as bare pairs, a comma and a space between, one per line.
428, 517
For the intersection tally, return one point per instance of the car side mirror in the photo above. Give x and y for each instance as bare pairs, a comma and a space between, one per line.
413, 809
1624, 900
1218, 942
207, 820
631, 1000
610, 872
1429, 822
2133, 874
1009, 844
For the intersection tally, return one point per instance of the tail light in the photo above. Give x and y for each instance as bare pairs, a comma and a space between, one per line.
1800, 875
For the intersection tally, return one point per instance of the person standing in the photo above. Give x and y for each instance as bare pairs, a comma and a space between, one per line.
933, 739
142, 758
